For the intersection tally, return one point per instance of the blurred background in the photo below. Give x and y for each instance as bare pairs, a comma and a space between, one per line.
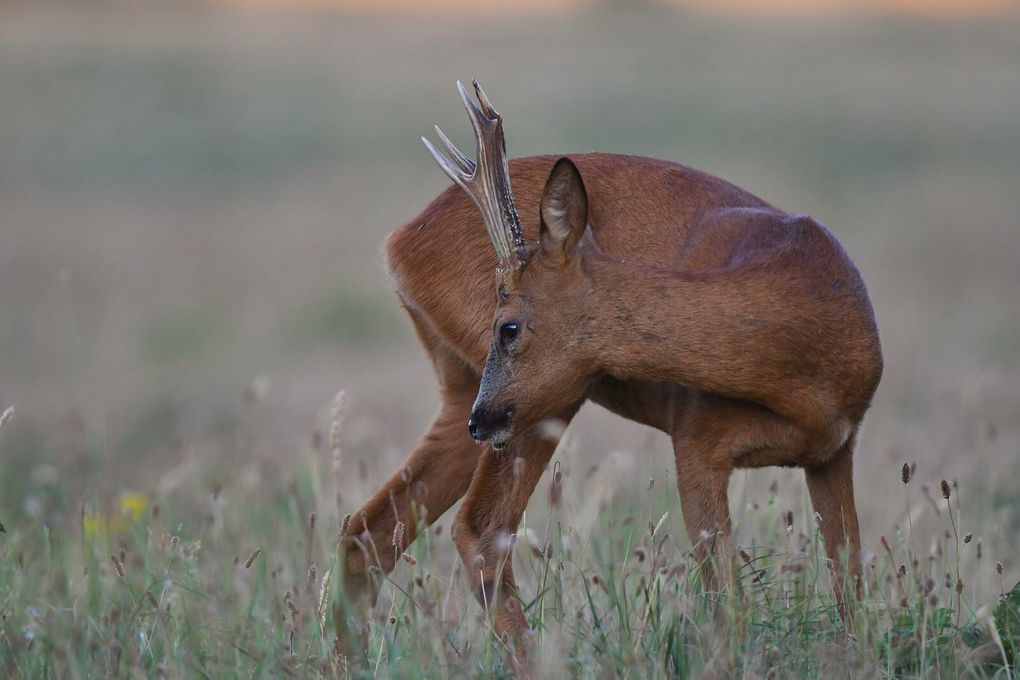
193, 197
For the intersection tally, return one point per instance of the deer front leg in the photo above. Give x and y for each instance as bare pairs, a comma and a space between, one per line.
486, 527
706, 440
703, 488
433, 477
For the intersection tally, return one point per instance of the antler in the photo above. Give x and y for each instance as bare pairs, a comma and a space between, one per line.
486, 181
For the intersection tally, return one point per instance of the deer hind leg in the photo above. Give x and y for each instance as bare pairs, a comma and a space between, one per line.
826, 454
831, 487
435, 475
712, 435
486, 527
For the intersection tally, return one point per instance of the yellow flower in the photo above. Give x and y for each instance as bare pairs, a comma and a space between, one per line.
132, 507
133, 504
93, 525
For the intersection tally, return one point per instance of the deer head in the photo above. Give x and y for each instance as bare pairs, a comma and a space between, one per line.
544, 340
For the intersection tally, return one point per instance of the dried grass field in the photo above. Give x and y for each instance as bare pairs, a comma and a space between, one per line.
192, 203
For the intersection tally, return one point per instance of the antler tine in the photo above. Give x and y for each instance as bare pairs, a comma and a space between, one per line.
484, 101
465, 163
481, 121
452, 171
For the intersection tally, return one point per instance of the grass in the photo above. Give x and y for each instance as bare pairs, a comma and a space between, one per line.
239, 578
193, 198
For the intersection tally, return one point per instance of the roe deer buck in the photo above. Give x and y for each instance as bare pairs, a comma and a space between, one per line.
666, 295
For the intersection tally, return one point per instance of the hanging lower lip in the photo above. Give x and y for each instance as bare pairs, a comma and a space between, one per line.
500, 440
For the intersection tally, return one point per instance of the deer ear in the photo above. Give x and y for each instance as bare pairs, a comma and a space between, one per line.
564, 209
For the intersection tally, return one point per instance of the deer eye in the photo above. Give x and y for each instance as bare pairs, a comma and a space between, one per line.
508, 332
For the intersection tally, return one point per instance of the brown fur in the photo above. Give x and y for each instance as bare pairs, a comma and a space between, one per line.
692, 306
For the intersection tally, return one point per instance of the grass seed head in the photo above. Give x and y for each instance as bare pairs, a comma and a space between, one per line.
945, 489
998, 568
421, 491
337, 409
535, 543
336, 417
518, 467
556, 489
6, 416
906, 473
251, 559
118, 565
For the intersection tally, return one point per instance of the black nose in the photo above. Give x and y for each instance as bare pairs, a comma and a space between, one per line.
484, 422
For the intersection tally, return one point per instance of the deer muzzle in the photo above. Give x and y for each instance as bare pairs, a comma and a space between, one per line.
488, 424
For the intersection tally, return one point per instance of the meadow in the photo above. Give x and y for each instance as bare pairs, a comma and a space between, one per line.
192, 203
